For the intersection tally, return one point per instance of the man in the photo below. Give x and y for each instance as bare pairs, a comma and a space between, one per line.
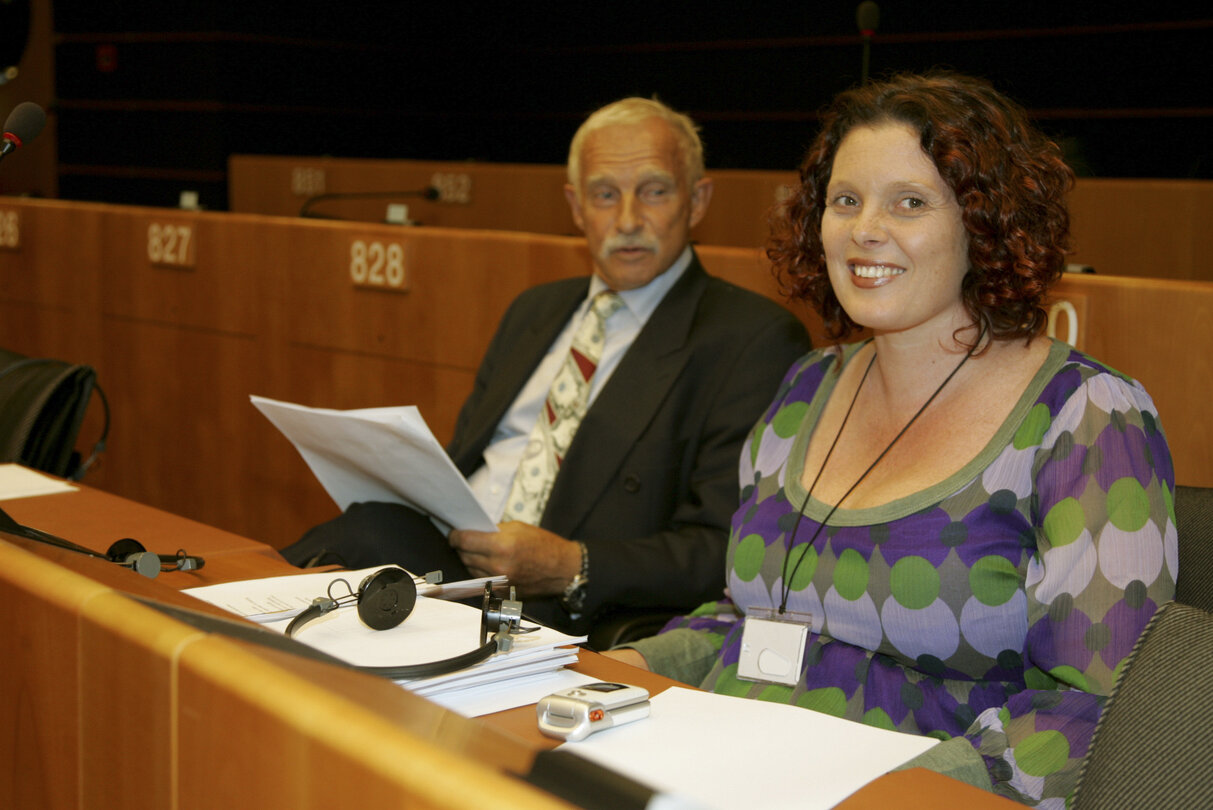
622, 501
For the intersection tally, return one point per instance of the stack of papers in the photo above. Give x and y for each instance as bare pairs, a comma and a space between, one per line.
436, 629
380, 454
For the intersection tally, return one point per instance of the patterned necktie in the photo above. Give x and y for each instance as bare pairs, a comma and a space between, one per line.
562, 413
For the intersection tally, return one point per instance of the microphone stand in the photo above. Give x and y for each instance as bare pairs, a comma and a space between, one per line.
428, 193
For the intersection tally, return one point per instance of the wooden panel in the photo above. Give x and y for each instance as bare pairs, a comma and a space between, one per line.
189, 269
38, 683
1121, 227
129, 756
249, 744
49, 283
183, 430
471, 195
459, 284
1145, 228
741, 206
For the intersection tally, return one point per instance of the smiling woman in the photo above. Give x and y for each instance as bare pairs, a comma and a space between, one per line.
959, 527
891, 218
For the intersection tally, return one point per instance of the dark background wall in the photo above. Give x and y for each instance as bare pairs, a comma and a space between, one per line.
152, 97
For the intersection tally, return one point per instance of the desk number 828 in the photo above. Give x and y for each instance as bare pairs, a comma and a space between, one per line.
378, 265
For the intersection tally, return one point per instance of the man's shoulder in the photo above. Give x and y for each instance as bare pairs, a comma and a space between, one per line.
574, 285
741, 303
551, 294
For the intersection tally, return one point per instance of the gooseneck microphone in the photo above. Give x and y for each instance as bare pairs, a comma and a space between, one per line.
22, 125
427, 193
867, 17
127, 552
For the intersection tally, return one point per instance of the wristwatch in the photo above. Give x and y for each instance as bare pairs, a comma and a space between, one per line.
573, 598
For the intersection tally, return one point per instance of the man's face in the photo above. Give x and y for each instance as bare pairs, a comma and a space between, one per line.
634, 203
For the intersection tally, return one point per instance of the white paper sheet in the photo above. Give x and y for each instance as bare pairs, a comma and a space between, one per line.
730, 752
379, 454
510, 694
435, 630
277, 599
21, 482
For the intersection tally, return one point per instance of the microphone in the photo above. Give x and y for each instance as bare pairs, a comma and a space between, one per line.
867, 17
427, 193
22, 125
127, 552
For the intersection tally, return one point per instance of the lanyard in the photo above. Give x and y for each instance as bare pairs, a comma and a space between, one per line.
786, 584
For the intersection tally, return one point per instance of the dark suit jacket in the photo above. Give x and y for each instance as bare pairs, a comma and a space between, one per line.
650, 480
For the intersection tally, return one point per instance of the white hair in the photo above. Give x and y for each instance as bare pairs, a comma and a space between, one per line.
637, 110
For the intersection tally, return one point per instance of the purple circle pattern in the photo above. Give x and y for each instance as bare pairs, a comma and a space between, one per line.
995, 669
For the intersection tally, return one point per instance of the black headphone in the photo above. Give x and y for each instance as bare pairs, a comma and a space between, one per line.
130, 553
387, 597
127, 552
384, 599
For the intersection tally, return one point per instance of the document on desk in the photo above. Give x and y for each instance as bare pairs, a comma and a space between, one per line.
21, 482
436, 629
279, 599
379, 454
729, 752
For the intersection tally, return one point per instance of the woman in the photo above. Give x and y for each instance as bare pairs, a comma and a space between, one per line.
970, 522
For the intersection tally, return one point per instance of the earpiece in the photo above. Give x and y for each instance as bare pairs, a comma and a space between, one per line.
130, 553
386, 598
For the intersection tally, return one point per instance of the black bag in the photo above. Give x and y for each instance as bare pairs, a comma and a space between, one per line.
42, 405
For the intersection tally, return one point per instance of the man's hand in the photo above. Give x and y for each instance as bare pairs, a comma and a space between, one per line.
536, 561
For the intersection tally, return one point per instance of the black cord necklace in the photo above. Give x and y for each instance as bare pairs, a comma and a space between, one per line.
786, 585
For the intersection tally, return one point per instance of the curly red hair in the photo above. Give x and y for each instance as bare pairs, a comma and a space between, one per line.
1009, 179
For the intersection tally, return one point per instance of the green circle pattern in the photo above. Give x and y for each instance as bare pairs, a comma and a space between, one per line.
747, 559
1033, 428
803, 571
994, 580
788, 419
851, 575
830, 700
1128, 505
1043, 753
914, 582
1065, 522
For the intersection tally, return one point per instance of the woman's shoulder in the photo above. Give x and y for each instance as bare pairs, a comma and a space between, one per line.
1070, 370
806, 375
823, 359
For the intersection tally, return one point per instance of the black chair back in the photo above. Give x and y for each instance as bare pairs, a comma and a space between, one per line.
42, 406
1194, 521
1149, 748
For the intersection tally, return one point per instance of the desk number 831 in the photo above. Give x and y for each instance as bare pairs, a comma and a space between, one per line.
378, 265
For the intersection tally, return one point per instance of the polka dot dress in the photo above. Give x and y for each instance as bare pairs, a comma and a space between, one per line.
996, 604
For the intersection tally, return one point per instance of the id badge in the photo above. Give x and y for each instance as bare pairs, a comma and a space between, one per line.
772, 646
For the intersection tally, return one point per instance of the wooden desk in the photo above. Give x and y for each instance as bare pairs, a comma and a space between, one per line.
112, 704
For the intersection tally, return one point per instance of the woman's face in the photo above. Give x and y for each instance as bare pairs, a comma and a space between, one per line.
896, 247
